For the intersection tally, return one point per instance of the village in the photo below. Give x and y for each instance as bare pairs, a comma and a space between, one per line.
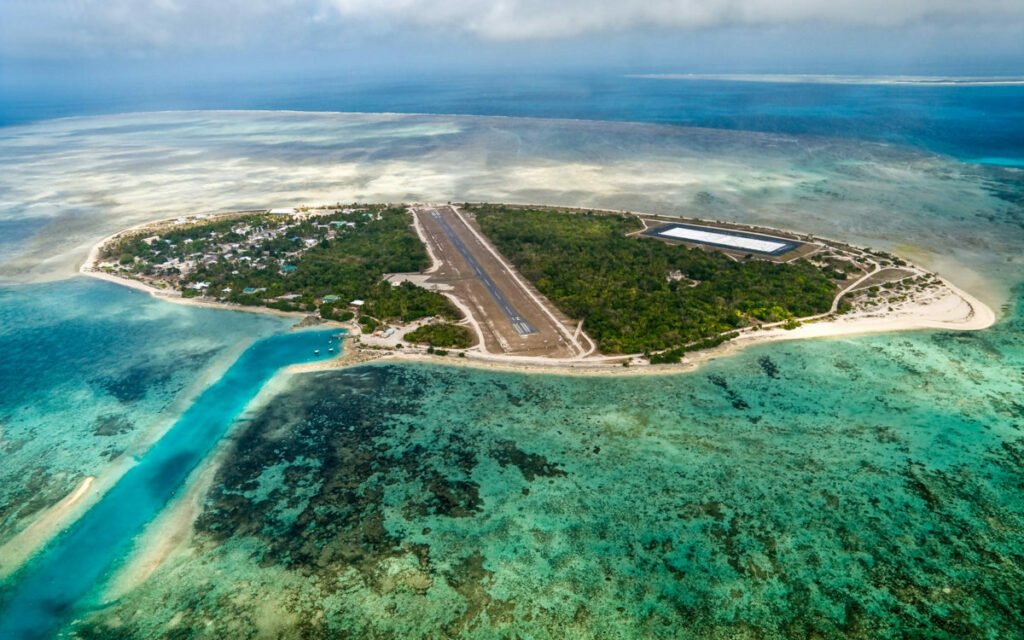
271, 241
325, 261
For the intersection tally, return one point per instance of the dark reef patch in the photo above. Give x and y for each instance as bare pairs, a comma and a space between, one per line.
530, 465
768, 366
342, 428
737, 402
112, 424
134, 383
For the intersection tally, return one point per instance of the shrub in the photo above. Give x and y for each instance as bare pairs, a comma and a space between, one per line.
441, 334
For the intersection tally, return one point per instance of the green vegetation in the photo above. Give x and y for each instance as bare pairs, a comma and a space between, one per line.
368, 324
623, 287
675, 354
441, 334
293, 264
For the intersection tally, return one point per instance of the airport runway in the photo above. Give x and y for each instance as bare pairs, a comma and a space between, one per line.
521, 326
511, 316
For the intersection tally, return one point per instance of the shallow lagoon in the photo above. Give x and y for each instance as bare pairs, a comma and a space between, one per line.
51, 584
90, 371
867, 487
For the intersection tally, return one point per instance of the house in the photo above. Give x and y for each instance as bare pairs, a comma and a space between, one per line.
357, 303
283, 212
331, 299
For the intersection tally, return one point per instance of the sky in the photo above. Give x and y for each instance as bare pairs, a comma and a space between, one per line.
641, 35
91, 26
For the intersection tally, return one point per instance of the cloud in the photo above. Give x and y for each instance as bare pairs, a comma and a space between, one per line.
534, 19
177, 25
130, 25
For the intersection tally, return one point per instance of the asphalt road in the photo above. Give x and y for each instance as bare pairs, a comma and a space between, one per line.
521, 326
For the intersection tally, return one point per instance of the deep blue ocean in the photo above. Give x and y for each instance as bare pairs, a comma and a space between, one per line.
968, 122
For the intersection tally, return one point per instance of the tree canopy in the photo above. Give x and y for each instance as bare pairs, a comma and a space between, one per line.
342, 254
640, 294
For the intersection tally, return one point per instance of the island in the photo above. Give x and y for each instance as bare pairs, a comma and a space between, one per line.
532, 286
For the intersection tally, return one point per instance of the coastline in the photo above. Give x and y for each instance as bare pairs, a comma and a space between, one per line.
957, 310
88, 268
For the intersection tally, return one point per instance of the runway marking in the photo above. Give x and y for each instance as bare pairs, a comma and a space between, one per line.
521, 326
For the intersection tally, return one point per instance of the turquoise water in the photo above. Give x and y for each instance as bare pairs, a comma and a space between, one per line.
1001, 162
53, 582
868, 487
89, 371
858, 488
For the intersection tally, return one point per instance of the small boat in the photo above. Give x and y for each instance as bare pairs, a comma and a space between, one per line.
330, 350
316, 352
